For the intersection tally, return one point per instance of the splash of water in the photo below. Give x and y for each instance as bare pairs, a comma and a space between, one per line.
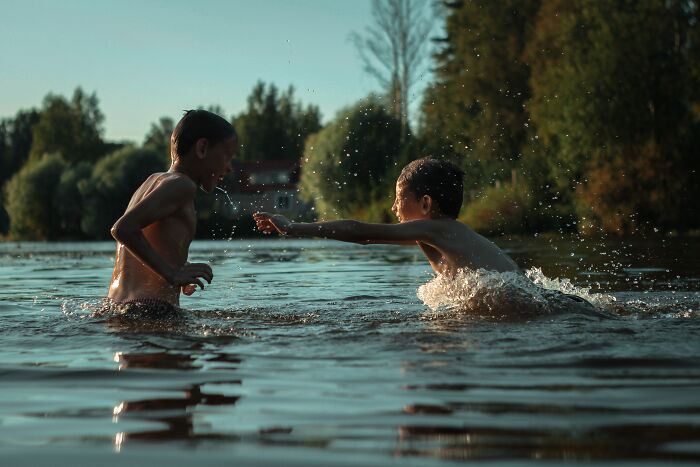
232, 206
490, 293
566, 286
227, 197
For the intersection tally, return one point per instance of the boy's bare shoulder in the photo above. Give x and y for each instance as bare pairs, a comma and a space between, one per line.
168, 187
437, 225
433, 230
446, 230
174, 182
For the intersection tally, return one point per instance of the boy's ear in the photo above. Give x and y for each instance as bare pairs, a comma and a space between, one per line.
426, 204
201, 147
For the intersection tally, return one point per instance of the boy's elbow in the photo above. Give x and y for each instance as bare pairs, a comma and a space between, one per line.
116, 231
119, 232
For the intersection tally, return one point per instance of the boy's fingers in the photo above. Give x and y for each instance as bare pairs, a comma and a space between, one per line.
202, 270
199, 283
206, 277
207, 274
203, 267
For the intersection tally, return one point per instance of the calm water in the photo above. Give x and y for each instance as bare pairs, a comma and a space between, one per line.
320, 353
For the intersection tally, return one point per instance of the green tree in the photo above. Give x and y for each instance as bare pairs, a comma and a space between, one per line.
350, 165
474, 112
112, 183
71, 128
274, 126
4, 218
612, 93
15, 142
158, 137
69, 200
31, 200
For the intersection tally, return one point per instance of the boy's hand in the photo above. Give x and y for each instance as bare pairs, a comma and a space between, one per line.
268, 223
191, 274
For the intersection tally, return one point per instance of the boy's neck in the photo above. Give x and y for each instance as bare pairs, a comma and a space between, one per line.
438, 217
181, 166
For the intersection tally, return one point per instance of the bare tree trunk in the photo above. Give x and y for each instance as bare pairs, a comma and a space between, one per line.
394, 49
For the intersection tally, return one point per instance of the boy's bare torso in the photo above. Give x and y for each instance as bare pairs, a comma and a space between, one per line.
170, 237
453, 245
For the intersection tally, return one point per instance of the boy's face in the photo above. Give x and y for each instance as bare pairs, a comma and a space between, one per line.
216, 163
408, 207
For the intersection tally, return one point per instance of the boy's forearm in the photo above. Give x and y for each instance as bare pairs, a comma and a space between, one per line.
136, 243
343, 230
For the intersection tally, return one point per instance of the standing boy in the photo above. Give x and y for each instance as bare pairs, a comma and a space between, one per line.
154, 234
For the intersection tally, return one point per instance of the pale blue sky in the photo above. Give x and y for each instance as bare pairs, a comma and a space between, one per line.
152, 58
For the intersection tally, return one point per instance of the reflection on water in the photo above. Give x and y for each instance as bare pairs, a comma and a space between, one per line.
315, 353
175, 415
641, 443
156, 360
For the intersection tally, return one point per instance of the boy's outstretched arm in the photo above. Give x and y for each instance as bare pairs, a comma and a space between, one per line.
406, 233
162, 202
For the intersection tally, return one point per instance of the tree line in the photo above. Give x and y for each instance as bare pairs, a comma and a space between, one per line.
591, 104
61, 180
577, 115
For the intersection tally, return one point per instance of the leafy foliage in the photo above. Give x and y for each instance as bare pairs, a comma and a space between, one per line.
113, 180
31, 199
158, 138
612, 97
350, 164
15, 142
500, 210
71, 129
474, 112
274, 126
69, 199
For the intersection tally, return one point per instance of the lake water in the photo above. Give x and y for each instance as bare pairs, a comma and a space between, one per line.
320, 353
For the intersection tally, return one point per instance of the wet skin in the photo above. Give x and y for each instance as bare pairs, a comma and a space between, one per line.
154, 234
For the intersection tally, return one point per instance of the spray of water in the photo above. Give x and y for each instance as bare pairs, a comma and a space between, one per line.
489, 293
227, 196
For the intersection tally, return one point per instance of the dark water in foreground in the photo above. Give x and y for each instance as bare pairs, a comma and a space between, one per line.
319, 353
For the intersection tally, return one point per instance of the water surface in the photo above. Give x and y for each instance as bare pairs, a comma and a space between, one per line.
319, 353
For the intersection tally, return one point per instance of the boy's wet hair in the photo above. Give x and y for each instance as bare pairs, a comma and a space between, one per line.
197, 124
439, 179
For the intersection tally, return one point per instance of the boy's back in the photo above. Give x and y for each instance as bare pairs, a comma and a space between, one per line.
451, 245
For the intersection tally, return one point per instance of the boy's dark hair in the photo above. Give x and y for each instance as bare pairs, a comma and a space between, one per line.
196, 124
439, 179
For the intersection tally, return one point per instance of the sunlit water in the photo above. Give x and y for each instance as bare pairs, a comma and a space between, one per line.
321, 353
